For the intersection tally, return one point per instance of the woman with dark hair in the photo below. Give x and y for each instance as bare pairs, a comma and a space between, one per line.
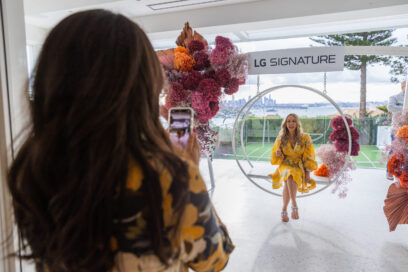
294, 153
97, 184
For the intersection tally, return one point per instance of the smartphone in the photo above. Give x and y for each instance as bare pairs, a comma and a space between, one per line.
181, 122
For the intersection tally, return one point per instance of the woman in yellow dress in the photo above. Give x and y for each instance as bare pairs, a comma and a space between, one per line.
294, 153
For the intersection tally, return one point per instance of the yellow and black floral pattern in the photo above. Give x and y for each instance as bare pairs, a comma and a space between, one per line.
294, 161
201, 242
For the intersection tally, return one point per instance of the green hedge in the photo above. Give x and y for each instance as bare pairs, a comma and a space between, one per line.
319, 129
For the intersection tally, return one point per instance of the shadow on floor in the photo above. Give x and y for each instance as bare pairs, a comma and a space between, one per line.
290, 248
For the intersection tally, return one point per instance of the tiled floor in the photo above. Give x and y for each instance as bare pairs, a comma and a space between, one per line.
332, 234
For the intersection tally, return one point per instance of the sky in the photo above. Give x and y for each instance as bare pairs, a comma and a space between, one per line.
341, 86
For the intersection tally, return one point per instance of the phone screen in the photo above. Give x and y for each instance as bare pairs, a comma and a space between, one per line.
180, 126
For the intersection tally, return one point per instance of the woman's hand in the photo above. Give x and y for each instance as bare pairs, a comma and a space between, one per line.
278, 152
192, 149
307, 177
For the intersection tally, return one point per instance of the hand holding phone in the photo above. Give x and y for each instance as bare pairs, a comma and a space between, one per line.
192, 150
180, 125
181, 122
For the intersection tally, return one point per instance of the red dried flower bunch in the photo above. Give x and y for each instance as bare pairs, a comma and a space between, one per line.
398, 167
404, 179
397, 164
340, 136
199, 76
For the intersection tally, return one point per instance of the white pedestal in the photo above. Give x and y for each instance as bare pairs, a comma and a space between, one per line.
383, 136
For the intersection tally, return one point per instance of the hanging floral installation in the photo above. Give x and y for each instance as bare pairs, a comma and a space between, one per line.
340, 136
198, 76
336, 165
396, 202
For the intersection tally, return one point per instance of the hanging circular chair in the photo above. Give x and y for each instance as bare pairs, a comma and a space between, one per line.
257, 176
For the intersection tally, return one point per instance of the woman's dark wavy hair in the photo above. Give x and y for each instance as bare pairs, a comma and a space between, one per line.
96, 106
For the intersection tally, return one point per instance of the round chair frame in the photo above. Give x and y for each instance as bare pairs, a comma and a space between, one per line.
251, 103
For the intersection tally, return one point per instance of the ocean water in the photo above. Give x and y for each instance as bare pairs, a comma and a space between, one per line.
301, 112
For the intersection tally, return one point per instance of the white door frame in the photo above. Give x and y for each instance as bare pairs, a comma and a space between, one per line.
13, 77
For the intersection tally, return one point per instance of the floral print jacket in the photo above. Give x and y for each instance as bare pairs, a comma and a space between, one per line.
201, 242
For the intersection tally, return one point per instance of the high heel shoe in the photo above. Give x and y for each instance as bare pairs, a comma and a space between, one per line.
295, 214
285, 217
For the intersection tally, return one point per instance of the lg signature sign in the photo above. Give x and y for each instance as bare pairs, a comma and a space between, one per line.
299, 60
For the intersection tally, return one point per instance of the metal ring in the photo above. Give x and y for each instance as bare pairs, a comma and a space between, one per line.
252, 102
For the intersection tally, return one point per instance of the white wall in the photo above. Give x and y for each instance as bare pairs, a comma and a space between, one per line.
35, 35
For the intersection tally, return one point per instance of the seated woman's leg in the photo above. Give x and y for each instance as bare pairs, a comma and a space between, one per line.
286, 199
293, 188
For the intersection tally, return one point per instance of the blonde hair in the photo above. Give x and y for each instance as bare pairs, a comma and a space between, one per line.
284, 132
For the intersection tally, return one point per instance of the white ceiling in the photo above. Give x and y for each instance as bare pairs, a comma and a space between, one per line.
46, 13
241, 20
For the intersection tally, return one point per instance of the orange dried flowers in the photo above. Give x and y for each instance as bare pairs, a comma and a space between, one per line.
181, 49
403, 132
182, 59
394, 165
322, 171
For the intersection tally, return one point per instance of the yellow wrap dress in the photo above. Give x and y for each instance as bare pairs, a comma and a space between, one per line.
294, 162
